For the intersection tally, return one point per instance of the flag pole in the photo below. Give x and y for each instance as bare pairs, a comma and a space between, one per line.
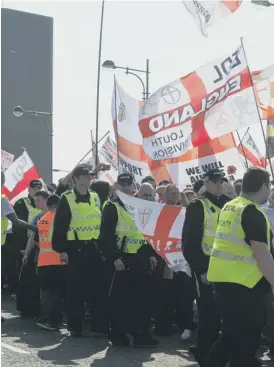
92, 148
116, 119
242, 146
261, 123
98, 83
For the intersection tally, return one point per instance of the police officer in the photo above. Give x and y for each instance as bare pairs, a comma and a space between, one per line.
76, 227
131, 259
198, 236
242, 269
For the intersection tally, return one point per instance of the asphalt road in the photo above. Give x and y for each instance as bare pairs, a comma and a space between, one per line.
24, 345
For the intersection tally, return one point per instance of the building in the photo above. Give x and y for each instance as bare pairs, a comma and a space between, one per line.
27, 81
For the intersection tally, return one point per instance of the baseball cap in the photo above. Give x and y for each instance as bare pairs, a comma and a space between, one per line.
53, 201
35, 183
125, 178
214, 175
81, 170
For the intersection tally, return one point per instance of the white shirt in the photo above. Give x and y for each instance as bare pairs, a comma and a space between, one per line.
6, 207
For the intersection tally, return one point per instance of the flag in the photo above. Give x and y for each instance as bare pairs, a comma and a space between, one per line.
161, 225
132, 158
183, 170
270, 138
212, 101
207, 13
250, 151
220, 153
18, 176
264, 89
108, 155
6, 160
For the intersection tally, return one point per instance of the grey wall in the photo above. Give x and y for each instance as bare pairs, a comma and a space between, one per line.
27, 73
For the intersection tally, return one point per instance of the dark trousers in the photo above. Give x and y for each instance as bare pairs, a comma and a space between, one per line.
268, 331
130, 305
175, 303
209, 321
242, 311
81, 280
8, 262
52, 291
28, 294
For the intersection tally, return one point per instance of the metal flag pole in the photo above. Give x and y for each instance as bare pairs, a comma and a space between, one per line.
98, 84
261, 123
116, 120
242, 146
147, 79
92, 148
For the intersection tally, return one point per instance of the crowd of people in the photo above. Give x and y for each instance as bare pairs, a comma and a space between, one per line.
75, 257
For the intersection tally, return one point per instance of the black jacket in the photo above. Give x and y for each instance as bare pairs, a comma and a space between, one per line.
108, 237
193, 230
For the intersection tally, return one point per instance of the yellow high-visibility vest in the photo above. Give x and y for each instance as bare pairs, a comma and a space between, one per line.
32, 212
232, 259
85, 218
211, 214
4, 227
126, 227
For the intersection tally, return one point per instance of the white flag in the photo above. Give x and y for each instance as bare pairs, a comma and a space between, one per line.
207, 13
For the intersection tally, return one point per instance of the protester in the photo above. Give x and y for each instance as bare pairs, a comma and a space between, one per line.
27, 297
164, 183
197, 186
171, 195
151, 180
102, 189
146, 192
51, 270
198, 236
242, 269
238, 186
189, 194
76, 227
160, 191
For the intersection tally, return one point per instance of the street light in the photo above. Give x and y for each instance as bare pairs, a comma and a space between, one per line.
262, 3
18, 111
109, 64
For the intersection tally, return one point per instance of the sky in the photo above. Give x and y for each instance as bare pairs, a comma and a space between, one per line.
161, 31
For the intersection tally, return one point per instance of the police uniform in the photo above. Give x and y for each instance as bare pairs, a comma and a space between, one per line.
130, 289
51, 271
239, 283
198, 236
76, 227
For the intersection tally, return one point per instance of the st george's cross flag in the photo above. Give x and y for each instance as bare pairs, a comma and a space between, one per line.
250, 151
161, 225
108, 155
18, 176
212, 101
207, 13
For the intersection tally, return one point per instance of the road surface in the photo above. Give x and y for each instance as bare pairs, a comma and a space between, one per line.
24, 345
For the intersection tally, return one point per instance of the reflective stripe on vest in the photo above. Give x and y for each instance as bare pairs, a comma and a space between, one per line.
126, 227
85, 218
210, 225
32, 212
4, 227
232, 259
47, 256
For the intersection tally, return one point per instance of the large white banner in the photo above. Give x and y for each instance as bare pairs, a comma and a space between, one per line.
207, 13
228, 161
212, 101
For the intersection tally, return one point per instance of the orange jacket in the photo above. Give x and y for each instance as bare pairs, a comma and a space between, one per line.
47, 256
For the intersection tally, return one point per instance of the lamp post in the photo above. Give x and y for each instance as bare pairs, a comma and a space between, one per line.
262, 3
18, 111
109, 64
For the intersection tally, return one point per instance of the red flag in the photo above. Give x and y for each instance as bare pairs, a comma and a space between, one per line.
18, 177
